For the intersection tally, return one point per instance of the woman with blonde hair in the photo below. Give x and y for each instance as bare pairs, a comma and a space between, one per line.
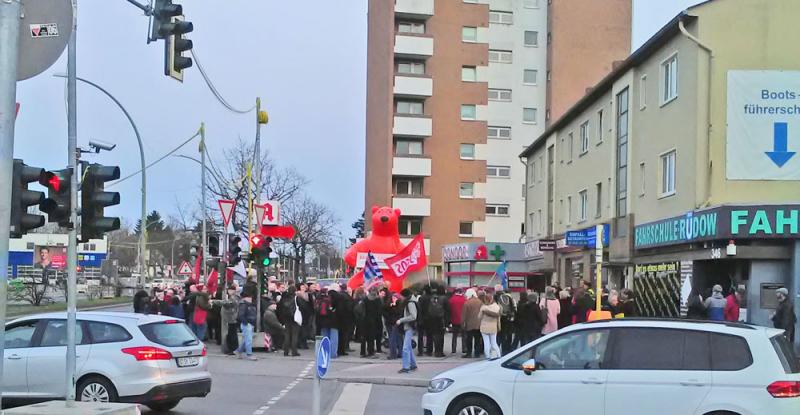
490, 325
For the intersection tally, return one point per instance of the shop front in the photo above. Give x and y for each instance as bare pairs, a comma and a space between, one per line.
475, 264
753, 247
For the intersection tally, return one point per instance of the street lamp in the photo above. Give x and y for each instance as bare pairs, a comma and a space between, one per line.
143, 234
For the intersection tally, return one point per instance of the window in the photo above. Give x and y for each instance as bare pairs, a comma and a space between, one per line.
500, 133
409, 226
411, 68
467, 151
577, 350
529, 115
790, 362
20, 335
501, 17
561, 204
643, 92
530, 4
471, 1
541, 168
30, 245
411, 27
531, 38
669, 79
409, 107
598, 208
465, 229
584, 197
642, 179
107, 333
498, 171
600, 131
661, 349
584, 137
500, 56
408, 148
541, 221
55, 334
466, 190
532, 173
469, 34
730, 352
499, 94
469, 73
497, 210
529, 76
408, 187
668, 173
569, 210
622, 154
468, 112
571, 147
169, 334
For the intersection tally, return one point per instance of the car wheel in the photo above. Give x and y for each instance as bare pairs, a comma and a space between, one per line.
163, 406
475, 405
96, 389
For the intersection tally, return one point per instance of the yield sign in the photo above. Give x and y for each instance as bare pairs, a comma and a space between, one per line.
185, 269
259, 211
226, 208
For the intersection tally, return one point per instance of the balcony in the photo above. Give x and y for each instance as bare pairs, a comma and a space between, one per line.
411, 166
413, 86
414, 8
413, 46
412, 206
412, 126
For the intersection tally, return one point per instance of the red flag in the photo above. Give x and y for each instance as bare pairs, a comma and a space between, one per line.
212, 283
197, 271
411, 258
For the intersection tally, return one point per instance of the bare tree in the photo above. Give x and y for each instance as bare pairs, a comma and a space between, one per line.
33, 292
314, 225
123, 245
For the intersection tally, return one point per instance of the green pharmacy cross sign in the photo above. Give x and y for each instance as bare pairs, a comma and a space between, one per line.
498, 253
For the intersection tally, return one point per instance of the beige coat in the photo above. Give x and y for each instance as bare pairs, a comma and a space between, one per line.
470, 315
490, 318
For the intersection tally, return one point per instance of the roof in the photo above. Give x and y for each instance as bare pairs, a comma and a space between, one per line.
671, 29
100, 315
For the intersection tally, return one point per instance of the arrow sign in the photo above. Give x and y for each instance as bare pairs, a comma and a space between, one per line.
323, 357
226, 209
780, 154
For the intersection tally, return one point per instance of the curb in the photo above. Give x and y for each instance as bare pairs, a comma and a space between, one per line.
391, 381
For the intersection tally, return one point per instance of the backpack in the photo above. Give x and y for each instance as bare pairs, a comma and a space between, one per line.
436, 308
506, 306
324, 306
360, 310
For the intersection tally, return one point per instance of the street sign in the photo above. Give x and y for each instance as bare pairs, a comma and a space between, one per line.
323, 357
280, 232
45, 28
269, 213
547, 245
258, 211
587, 237
185, 269
226, 209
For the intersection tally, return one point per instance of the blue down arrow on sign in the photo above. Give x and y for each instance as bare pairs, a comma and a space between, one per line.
780, 154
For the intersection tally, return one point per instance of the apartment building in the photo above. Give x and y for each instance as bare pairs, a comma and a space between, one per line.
455, 89
685, 154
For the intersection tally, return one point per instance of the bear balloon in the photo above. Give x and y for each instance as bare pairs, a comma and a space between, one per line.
384, 239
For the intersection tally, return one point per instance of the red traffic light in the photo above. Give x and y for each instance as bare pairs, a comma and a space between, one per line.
256, 241
51, 181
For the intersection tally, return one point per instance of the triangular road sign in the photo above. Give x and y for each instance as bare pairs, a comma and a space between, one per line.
259, 211
185, 269
226, 209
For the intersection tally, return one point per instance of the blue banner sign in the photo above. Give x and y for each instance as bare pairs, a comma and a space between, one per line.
587, 237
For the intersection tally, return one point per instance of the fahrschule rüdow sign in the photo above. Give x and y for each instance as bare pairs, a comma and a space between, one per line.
743, 222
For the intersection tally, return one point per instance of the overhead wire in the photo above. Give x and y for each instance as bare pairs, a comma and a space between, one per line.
155, 162
214, 90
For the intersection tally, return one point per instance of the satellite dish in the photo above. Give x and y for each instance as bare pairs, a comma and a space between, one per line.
43, 34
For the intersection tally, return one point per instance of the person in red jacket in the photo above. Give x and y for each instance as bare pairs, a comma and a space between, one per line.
732, 304
456, 306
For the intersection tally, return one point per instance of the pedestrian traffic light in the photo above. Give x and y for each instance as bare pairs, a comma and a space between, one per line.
94, 200
234, 250
22, 198
58, 203
267, 252
169, 24
260, 250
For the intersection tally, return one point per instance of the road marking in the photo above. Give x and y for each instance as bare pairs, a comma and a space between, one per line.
353, 400
263, 409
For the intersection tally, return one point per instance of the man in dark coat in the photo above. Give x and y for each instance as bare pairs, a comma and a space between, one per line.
286, 315
784, 317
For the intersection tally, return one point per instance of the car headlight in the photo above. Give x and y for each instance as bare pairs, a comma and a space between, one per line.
438, 385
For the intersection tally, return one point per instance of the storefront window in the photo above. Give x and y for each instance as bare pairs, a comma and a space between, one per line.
458, 281
458, 267
485, 280
486, 267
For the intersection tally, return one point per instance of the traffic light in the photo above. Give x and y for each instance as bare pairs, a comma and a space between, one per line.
58, 202
169, 24
94, 200
234, 250
213, 245
260, 250
21, 198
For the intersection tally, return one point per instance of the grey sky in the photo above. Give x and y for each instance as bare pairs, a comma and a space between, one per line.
307, 60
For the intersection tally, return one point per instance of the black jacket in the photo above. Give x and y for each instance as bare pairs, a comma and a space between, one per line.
247, 313
286, 309
345, 317
533, 318
785, 318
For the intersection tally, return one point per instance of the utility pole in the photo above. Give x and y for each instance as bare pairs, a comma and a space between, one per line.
10, 13
203, 197
72, 243
257, 196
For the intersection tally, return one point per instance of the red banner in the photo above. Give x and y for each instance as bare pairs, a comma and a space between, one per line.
411, 258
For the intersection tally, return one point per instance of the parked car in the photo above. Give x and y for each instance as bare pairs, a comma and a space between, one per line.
121, 357
643, 366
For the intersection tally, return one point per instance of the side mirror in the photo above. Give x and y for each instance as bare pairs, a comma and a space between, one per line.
529, 367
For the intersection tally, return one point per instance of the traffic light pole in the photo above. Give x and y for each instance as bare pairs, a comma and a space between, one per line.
9, 31
72, 245
203, 197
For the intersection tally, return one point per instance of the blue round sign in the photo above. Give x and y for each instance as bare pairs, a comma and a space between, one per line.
323, 357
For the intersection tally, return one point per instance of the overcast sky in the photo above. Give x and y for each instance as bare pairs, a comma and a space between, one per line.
305, 59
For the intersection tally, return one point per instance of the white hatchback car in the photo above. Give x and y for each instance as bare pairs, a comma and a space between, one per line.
121, 357
643, 366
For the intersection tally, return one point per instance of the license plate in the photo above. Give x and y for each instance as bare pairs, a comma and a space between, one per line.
188, 361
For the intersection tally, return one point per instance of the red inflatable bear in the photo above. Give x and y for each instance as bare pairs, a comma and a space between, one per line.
385, 239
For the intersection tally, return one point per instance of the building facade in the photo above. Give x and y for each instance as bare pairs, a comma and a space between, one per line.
454, 90
683, 152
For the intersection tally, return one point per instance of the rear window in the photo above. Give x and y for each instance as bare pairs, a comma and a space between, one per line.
729, 352
107, 332
788, 358
169, 334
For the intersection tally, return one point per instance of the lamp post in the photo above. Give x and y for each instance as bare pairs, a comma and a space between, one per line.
143, 233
